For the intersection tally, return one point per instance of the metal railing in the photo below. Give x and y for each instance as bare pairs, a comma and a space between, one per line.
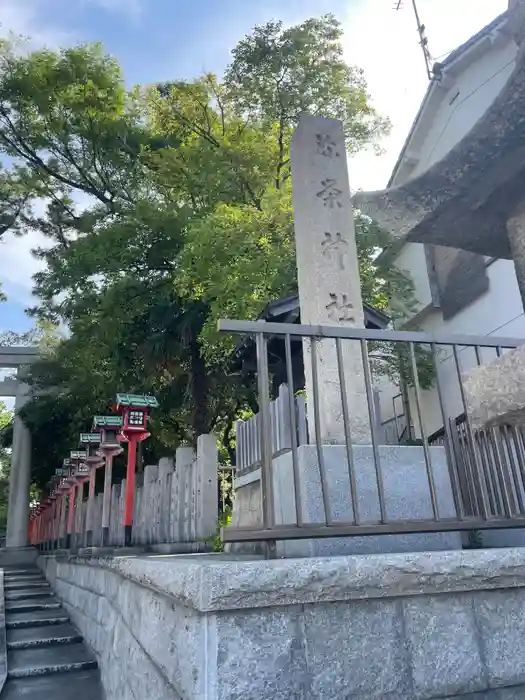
502, 449
486, 477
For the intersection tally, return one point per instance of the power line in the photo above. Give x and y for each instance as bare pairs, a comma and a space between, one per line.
423, 41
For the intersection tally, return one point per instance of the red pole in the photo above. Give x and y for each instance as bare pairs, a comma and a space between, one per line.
70, 516
130, 489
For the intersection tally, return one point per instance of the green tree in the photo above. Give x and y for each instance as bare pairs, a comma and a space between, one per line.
185, 217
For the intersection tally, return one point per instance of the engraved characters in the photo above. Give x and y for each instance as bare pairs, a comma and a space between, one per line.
330, 194
335, 248
339, 308
326, 146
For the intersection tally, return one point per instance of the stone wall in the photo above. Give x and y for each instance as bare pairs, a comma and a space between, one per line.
378, 627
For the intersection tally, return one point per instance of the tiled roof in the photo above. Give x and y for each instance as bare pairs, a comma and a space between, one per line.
102, 421
138, 400
89, 438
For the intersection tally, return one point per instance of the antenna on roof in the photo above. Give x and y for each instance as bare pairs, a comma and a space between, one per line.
423, 41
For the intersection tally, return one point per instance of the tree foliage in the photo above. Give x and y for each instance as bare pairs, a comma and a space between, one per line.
167, 208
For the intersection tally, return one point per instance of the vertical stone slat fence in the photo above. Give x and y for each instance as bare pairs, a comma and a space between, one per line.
176, 502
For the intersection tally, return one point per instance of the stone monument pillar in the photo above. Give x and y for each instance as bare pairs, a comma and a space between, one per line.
328, 273
20, 477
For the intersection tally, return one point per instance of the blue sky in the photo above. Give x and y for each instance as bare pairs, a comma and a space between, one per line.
162, 39
157, 40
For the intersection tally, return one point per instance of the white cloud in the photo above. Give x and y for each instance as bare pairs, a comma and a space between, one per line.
384, 42
28, 19
18, 265
131, 8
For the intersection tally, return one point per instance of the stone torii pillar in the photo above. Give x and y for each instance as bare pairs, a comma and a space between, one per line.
20, 475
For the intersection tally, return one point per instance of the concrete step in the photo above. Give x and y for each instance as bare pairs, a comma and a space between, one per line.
38, 618
15, 571
78, 685
31, 604
34, 578
46, 660
30, 637
18, 585
27, 593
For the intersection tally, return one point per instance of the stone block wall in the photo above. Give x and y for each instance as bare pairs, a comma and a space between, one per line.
435, 625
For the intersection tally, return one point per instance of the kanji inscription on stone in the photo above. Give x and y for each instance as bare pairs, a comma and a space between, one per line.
330, 194
328, 276
339, 308
326, 146
334, 247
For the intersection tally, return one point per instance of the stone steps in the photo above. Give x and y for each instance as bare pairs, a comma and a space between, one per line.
78, 685
23, 578
30, 637
39, 661
21, 585
28, 593
45, 653
37, 618
32, 605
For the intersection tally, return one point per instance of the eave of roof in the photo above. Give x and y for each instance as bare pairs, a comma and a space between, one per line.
290, 305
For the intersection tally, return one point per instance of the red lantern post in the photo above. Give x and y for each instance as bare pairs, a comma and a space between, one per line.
63, 489
135, 410
91, 441
109, 428
80, 473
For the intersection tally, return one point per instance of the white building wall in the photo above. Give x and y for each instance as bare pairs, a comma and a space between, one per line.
464, 102
498, 312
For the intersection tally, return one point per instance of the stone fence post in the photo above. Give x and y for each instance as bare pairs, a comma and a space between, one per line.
206, 500
164, 506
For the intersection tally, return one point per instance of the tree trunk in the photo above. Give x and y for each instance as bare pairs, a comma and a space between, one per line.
200, 390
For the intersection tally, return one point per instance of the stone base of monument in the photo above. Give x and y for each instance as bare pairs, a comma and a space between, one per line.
495, 391
407, 497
